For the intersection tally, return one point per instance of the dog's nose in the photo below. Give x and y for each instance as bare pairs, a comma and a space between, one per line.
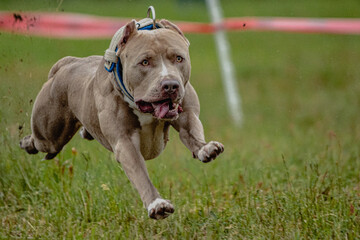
170, 86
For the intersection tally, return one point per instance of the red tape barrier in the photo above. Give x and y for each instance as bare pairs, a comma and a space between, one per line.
81, 26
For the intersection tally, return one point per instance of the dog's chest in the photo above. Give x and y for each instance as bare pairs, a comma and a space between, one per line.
153, 135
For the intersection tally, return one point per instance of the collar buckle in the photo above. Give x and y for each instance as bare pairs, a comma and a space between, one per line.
151, 10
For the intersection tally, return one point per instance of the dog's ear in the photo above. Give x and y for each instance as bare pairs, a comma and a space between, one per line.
129, 30
171, 26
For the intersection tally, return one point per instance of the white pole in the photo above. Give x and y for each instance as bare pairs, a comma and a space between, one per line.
227, 68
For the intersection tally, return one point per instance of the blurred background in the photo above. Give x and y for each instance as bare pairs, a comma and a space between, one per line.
299, 140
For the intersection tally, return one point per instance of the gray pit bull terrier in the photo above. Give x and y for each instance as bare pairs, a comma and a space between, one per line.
132, 117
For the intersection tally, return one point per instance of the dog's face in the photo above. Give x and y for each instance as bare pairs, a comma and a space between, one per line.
156, 68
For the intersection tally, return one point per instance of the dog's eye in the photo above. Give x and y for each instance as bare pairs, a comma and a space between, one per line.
145, 62
179, 59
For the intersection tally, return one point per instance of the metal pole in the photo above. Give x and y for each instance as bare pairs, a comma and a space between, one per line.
227, 68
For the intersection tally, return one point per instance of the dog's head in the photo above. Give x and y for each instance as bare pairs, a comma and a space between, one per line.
156, 68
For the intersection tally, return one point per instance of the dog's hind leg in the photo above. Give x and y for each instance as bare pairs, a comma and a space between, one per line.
53, 124
52, 138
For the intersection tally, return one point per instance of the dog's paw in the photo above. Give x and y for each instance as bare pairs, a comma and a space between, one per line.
160, 209
210, 151
27, 143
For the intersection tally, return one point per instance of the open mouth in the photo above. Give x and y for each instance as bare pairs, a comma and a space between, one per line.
163, 109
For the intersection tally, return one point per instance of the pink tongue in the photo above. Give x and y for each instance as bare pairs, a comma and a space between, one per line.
161, 109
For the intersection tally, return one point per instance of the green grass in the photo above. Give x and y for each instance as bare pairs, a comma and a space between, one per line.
291, 172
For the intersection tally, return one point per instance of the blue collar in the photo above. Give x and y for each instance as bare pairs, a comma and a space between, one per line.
118, 69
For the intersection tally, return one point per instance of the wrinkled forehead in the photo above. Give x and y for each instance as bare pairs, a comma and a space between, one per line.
159, 40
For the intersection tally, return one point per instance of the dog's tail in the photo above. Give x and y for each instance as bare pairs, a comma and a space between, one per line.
62, 62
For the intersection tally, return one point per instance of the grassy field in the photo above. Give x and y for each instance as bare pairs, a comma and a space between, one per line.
291, 172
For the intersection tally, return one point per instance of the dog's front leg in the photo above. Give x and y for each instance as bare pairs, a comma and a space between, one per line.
127, 152
192, 135
191, 130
